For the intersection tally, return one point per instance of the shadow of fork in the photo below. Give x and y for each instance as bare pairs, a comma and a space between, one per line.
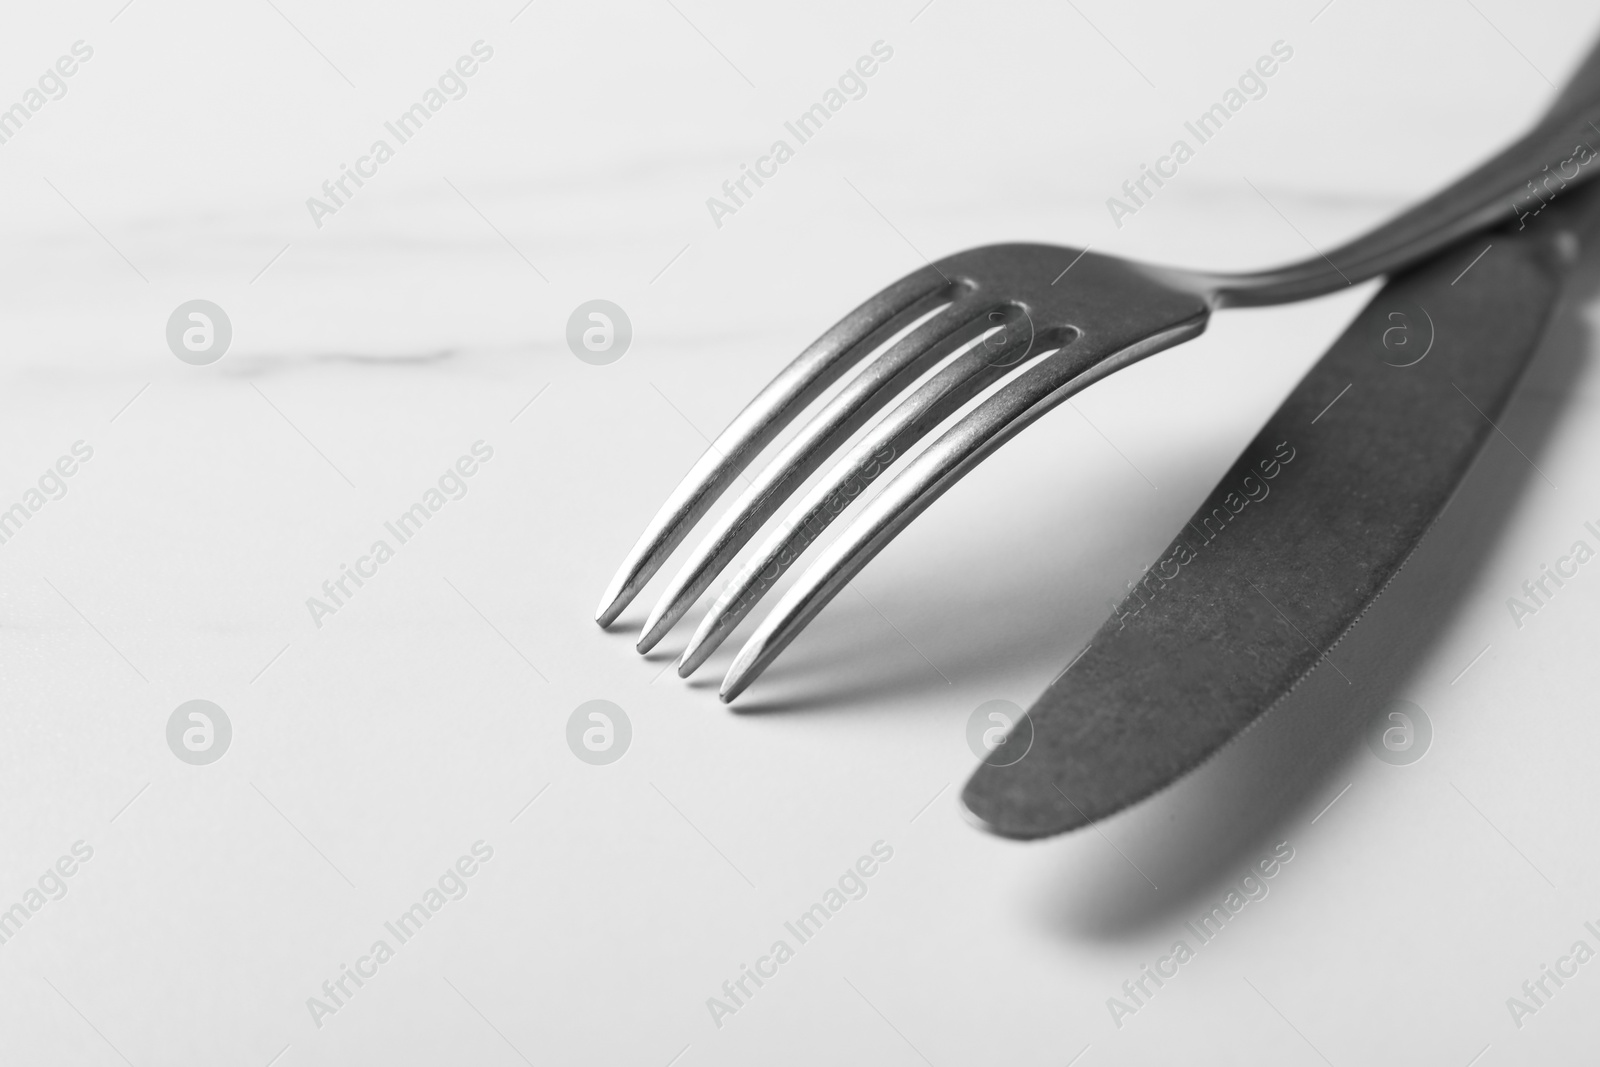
1003, 627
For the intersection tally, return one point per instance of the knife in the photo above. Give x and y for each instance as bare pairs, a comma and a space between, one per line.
1297, 540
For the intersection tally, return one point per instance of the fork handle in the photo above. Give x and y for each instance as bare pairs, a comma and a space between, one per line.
1514, 185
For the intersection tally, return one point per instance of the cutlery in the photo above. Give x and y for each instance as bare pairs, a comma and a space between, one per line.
1051, 320
1331, 509
1296, 541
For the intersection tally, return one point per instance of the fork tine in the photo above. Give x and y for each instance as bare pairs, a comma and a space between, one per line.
867, 393
820, 365
970, 441
897, 433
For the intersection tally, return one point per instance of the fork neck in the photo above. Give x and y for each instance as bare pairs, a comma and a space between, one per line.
1513, 186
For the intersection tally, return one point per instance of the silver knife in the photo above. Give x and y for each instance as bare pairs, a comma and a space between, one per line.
1298, 539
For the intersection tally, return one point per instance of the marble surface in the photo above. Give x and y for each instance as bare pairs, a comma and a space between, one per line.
374, 749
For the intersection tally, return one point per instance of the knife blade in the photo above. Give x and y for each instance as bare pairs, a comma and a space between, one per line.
1297, 540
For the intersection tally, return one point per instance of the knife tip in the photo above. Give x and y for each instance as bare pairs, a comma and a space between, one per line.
1011, 802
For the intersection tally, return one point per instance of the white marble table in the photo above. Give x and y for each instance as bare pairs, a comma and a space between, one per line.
424, 723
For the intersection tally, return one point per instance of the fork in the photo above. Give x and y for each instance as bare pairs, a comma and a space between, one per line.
1051, 319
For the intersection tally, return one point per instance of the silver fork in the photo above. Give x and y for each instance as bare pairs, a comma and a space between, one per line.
1054, 319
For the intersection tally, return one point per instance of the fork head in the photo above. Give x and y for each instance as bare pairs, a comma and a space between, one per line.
1050, 319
